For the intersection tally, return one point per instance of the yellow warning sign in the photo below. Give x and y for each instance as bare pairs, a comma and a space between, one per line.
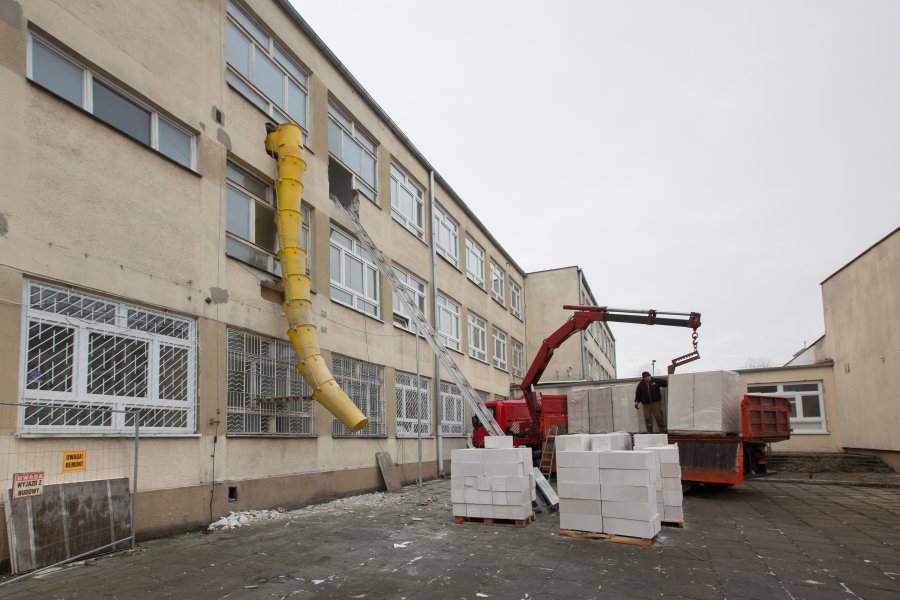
74, 460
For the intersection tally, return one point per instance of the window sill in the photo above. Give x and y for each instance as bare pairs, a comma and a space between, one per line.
275, 436
480, 286
447, 260
360, 437
793, 433
117, 434
414, 232
475, 358
356, 310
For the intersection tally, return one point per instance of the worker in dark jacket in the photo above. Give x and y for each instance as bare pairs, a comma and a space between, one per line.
649, 397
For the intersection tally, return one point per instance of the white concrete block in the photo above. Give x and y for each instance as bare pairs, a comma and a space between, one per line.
673, 498
580, 459
577, 475
580, 506
502, 456
459, 510
636, 459
643, 440
673, 513
641, 529
671, 483
584, 491
518, 498
667, 454
498, 441
462, 455
471, 481
572, 442
503, 469
478, 497
627, 493
481, 511
600, 410
670, 470
707, 401
483, 484
465, 469
624, 477
578, 411
625, 416
637, 511
457, 496
581, 522
457, 482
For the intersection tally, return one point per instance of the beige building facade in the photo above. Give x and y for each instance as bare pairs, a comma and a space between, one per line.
139, 272
588, 355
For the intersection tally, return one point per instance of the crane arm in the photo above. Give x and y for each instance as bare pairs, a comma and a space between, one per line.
581, 319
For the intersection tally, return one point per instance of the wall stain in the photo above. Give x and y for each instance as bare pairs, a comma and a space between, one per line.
223, 138
11, 13
4, 225
218, 295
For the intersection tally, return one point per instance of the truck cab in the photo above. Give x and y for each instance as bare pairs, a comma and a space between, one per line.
514, 418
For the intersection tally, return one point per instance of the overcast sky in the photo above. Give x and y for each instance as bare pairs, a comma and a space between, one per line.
718, 157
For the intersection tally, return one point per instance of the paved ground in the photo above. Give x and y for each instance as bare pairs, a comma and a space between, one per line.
761, 540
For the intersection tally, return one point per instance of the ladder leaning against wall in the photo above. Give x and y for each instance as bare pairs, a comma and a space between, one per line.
424, 327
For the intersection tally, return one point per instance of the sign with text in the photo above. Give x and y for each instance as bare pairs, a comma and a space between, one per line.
28, 484
74, 460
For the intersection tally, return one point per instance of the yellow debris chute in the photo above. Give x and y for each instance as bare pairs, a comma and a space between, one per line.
285, 143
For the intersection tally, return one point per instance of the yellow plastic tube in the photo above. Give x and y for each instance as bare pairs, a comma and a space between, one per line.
285, 143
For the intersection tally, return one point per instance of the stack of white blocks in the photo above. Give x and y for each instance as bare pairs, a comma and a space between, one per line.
492, 483
605, 487
668, 486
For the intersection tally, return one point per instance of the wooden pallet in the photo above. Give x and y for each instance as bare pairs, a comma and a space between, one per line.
673, 523
607, 537
492, 521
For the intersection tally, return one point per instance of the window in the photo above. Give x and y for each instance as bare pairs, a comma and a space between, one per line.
500, 348
475, 262
402, 317
518, 359
353, 149
446, 236
498, 284
448, 322
477, 337
86, 356
407, 203
250, 221
354, 277
409, 404
807, 403
63, 76
363, 382
451, 407
261, 71
515, 299
260, 368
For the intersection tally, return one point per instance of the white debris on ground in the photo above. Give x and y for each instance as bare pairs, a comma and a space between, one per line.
241, 518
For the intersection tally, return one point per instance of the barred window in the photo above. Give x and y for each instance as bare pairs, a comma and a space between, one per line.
408, 405
363, 382
261, 369
451, 407
84, 353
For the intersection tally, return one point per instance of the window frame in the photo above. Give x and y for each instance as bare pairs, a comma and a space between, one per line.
445, 306
292, 72
517, 352
498, 283
399, 307
477, 328
86, 103
337, 118
356, 252
472, 250
515, 299
358, 379
807, 425
500, 342
442, 221
452, 410
241, 408
401, 179
120, 320
407, 424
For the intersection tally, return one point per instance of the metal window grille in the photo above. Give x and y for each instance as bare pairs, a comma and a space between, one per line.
91, 364
363, 382
451, 407
261, 368
483, 396
409, 403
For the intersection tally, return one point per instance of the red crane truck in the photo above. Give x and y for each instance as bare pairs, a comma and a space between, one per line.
705, 457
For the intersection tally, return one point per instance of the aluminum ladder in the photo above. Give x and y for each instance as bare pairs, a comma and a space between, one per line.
548, 450
425, 328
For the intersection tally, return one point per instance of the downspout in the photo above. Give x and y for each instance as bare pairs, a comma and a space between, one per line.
285, 143
439, 440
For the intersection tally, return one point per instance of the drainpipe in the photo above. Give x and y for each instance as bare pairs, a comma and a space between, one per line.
439, 440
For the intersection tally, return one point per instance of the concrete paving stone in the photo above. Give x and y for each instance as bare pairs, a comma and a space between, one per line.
757, 590
817, 592
870, 593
